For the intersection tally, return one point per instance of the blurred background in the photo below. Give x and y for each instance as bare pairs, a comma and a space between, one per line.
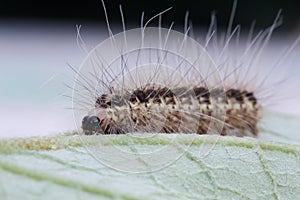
38, 42
81, 12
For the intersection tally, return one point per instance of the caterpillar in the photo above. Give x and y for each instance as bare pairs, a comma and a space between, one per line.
157, 80
141, 102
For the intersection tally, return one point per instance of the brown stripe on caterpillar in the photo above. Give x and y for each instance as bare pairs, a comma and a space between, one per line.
165, 110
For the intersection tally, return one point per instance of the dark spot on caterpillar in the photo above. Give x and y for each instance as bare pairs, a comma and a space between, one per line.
237, 94
140, 95
253, 99
150, 93
165, 92
103, 101
239, 98
133, 98
248, 94
201, 92
232, 93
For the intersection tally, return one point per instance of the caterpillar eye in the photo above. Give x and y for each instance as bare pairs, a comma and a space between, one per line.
91, 125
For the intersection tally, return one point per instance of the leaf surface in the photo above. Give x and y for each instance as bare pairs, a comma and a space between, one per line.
148, 167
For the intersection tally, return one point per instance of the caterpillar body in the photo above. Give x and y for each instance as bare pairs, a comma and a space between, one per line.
174, 110
155, 80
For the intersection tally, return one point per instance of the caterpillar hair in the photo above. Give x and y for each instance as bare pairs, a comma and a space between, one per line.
158, 80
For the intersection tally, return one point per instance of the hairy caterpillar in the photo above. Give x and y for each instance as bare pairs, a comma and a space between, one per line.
158, 80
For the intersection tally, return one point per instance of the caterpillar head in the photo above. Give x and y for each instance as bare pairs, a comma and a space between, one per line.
100, 120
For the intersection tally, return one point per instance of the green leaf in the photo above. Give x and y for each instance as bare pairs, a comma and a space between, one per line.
145, 166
